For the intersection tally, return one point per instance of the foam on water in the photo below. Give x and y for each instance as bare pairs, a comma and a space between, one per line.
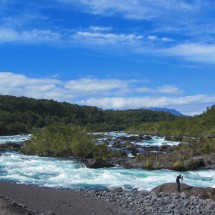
14, 139
62, 173
155, 141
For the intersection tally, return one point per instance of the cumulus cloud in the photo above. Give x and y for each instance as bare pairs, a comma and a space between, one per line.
103, 93
20, 85
152, 101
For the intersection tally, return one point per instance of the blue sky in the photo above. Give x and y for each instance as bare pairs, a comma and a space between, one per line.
110, 53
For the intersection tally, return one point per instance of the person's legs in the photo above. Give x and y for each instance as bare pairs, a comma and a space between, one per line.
178, 187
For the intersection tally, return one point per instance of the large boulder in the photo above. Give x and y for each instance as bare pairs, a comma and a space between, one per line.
98, 163
195, 163
201, 192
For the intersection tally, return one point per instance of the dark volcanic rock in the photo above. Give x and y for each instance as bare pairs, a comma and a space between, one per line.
202, 192
144, 202
99, 163
195, 163
147, 137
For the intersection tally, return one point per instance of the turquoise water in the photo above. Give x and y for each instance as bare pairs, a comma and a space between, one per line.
63, 173
14, 139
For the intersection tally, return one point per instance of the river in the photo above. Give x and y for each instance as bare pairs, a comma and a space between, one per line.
64, 173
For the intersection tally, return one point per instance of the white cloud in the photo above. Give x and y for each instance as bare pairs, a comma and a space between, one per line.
135, 9
167, 39
139, 102
103, 93
100, 28
166, 89
152, 37
193, 51
20, 85
88, 86
32, 36
100, 38
159, 39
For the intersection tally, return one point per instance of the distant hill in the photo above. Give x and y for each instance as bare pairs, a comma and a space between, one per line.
172, 111
22, 114
202, 125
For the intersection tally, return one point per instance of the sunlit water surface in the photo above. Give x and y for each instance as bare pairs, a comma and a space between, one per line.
64, 173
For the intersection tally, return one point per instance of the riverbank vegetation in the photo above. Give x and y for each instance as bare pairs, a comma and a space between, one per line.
64, 140
22, 115
197, 135
63, 129
201, 126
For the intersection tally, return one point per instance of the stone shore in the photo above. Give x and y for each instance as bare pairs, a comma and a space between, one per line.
151, 203
20, 199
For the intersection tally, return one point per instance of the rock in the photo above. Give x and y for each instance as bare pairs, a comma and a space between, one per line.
99, 163
132, 138
115, 189
202, 192
183, 195
195, 163
147, 137
51, 213
157, 201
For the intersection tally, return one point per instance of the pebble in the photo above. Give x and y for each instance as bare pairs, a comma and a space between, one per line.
145, 202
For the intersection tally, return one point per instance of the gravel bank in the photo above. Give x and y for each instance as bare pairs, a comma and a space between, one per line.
34, 200
46, 201
144, 202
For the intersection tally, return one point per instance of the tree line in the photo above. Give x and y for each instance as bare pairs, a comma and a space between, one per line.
22, 115
198, 131
200, 126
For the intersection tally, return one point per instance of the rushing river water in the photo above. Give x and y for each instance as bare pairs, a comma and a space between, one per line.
64, 173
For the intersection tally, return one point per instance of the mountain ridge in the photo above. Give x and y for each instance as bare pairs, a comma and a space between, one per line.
169, 110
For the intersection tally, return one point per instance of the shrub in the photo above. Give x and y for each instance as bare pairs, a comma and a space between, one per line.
148, 163
61, 140
178, 165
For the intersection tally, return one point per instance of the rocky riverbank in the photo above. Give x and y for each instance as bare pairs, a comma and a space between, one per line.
145, 202
153, 153
144, 153
167, 161
17, 199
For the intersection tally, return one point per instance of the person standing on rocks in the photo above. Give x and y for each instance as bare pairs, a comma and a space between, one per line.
178, 182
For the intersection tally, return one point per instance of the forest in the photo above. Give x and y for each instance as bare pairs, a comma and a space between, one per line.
53, 122
21, 115
199, 126
198, 131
